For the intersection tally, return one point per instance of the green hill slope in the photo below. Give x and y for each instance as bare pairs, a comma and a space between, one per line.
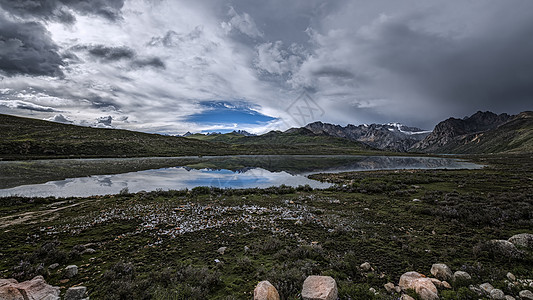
37, 138
31, 138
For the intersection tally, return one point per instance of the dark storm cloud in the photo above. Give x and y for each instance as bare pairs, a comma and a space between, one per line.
27, 49
110, 53
58, 10
490, 70
105, 120
154, 62
333, 72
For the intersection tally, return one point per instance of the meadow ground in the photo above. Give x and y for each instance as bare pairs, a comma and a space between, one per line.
167, 244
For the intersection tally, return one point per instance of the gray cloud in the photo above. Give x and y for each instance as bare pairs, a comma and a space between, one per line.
154, 62
27, 49
491, 69
173, 39
106, 121
58, 10
107, 53
17, 104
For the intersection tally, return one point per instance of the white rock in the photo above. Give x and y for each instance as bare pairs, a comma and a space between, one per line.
319, 288
526, 295
486, 288
511, 276
524, 240
265, 291
497, 294
71, 271
441, 271
462, 276
366, 267
423, 286
75, 293
389, 287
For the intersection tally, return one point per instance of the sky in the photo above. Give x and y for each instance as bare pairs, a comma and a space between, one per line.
172, 66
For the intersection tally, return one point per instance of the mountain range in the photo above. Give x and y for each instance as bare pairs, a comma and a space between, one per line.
483, 132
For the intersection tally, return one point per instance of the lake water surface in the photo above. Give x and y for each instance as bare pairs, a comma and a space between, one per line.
230, 172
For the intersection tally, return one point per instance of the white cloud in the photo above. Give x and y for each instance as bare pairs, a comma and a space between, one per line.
242, 23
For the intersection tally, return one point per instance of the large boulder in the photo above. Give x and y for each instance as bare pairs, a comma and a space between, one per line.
422, 285
37, 288
9, 292
265, 291
442, 272
319, 288
503, 248
523, 240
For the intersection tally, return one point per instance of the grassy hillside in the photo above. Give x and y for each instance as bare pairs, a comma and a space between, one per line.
34, 138
514, 136
31, 138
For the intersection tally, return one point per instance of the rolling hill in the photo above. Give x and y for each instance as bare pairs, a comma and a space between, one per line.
31, 138
25, 137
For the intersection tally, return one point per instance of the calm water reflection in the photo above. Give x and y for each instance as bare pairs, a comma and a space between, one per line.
268, 171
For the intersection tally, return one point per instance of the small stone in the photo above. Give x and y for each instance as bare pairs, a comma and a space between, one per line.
497, 294
446, 285
441, 271
526, 295
88, 251
476, 290
486, 288
366, 267
416, 200
389, 287
511, 276
246, 249
53, 266
75, 293
406, 297
71, 271
319, 288
372, 290
461, 277
221, 250
507, 297
265, 291
398, 289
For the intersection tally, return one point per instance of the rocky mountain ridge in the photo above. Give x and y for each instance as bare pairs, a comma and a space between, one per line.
390, 136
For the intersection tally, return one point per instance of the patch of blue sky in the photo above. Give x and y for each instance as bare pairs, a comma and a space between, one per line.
229, 113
